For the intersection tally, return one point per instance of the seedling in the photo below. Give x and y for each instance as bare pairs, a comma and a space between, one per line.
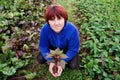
57, 56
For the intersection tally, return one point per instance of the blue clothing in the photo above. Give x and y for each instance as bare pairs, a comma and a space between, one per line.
68, 39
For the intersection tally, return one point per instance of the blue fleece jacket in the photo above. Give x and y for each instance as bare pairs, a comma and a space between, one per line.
68, 39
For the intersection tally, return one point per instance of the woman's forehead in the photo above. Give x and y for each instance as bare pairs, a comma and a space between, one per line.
55, 17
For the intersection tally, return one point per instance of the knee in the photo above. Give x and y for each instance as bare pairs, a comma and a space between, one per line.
40, 59
74, 66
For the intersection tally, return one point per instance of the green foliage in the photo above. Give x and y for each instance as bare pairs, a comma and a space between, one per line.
100, 47
19, 23
9, 64
30, 76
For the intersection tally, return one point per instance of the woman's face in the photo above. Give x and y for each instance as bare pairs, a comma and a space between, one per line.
57, 24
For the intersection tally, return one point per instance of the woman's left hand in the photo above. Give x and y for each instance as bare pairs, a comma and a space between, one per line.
58, 72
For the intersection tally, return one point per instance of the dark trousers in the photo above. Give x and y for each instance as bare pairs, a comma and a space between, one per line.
73, 64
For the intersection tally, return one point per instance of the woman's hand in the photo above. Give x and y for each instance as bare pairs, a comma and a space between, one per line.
59, 71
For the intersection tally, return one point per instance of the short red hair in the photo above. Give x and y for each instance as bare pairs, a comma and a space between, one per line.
55, 10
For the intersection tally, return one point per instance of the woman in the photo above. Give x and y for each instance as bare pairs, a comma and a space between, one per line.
58, 32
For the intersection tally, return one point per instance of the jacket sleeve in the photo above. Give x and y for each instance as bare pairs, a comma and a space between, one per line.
73, 45
44, 44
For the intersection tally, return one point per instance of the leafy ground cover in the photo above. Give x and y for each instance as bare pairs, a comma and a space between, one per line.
99, 22
20, 21
99, 25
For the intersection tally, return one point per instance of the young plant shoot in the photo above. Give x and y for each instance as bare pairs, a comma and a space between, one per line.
58, 57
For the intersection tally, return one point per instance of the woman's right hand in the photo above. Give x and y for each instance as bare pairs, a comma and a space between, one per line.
59, 71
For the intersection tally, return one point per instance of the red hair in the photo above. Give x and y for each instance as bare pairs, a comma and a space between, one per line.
55, 10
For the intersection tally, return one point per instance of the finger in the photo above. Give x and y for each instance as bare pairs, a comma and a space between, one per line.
59, 74
50, 69
54, 75
59, 71
50, 66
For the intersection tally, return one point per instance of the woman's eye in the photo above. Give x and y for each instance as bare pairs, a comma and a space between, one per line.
59, 19
52, 19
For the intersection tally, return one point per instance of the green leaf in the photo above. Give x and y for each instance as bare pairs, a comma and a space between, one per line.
62, 62
49, 55
52, 52
9, 71
56, 52
105, 74
2, 66
117, 58
117, 40
96, 68
5, 48
63, 56
26, 47
9, 53
30, 76
90, 64
19, 63
117, 77
10, 15
105, 53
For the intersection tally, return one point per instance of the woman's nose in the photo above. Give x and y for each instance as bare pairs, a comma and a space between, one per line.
56, 22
